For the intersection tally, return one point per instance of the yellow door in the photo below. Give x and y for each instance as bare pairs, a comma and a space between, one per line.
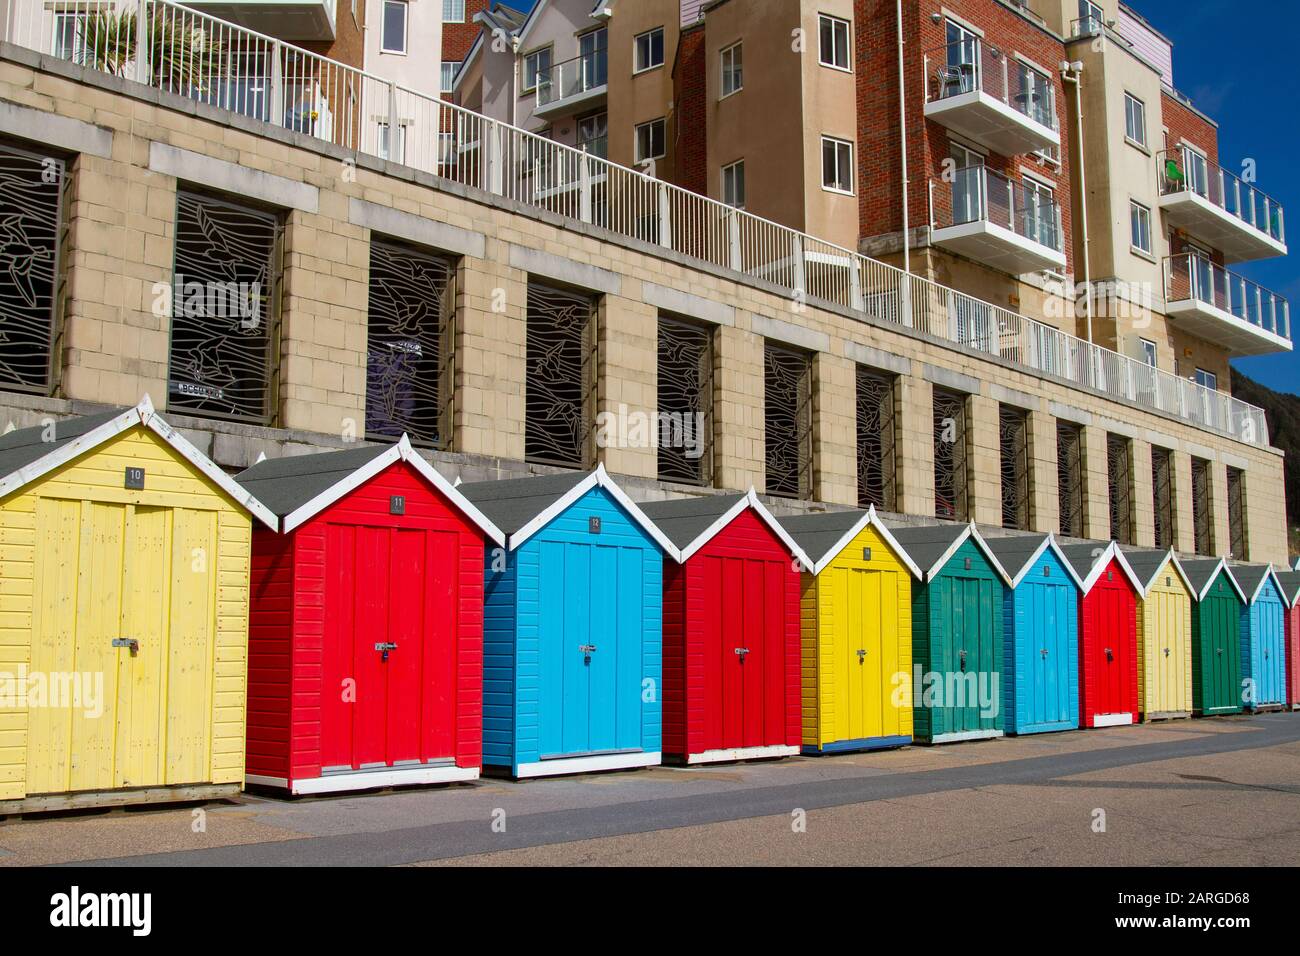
866, 653
1169, 622
124, 610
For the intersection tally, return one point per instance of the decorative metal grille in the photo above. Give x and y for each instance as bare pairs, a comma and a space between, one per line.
225, 292
1120, 474
1162, 484
685, 436
951, 484
30, 191
1237, 534
560, 391
876, 461
1202, 526
1014, 434
788, 400
410, 344
1069, 478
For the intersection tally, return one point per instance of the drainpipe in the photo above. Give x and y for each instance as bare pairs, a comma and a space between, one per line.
1072, 73
902, 129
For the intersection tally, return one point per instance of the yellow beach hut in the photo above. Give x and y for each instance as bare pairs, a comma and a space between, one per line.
1164, 634
123, 615
856, 633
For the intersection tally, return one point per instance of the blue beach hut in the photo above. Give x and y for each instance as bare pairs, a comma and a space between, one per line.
1263, 637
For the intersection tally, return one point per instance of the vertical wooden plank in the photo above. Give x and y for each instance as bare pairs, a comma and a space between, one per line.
630, 647
338, 657
404, 668
438, 644
191, 646
576, 686
141, 706
98, 622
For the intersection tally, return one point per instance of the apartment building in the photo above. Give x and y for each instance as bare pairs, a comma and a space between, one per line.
508, 334
460, 28
596, 76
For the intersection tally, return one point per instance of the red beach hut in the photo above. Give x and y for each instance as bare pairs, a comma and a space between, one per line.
366, 626
731, 678
1108, 654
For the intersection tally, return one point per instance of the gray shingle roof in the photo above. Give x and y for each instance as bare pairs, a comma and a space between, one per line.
685, 519
25, 445
1145, 562
1084, 557
1249, 576
817, 534
1200, 571
926, 544
1290, 581
1014, 551
512, 503
286, 484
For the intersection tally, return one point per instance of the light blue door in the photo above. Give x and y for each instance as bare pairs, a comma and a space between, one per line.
589, 624
1270, 662
1050, 652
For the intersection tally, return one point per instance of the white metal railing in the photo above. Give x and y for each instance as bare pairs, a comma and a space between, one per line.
213, 61
582, 74
978, 194
970, 65
1192, 277
1182, 170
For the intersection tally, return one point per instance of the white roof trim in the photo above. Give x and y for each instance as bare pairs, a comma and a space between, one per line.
869, 519
531, 21
1171, 557
748, 500
401, 451
1049, 544
142, 414
707, 535
597, 479
1276, 583
988, 553
1223, 568
1112, 553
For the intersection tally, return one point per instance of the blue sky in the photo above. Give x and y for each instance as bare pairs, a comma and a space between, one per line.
1237, 65
1241, 71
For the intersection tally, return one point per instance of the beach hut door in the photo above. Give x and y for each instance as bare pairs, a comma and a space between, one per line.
123, 636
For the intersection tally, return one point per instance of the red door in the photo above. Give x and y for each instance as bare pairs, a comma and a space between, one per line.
744, 654
388, 663
1113, 637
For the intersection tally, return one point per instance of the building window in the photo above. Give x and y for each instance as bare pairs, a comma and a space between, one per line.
1206, 379
70, 38
449, 68
1135, 120
453, 11
876, 437
834, 42
593, 50
951, 486
733, 184
787, 400
30, 209
685, 438
561, 376
1237, 535
1140, 223
1069, 478
1149, 352
648, 50
392, 35
1202, 496
1014, 433
837, 165
398, 151
1119, 461
650, 141
225, 292
1036, 97
733, 74
593, 135
536, 66
1040, 213
409, 340
1162, 484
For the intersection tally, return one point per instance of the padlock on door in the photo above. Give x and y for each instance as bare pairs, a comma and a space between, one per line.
384, 648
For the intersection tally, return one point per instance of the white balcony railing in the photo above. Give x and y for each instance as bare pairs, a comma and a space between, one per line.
199, 57
572, 79
1191, 277
972, 66
978, 194
1183, 172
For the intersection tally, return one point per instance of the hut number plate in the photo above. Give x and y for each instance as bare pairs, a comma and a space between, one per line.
397, 504
135, 478
593, 524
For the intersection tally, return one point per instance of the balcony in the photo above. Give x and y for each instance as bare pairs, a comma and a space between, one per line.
298, 21
977, 91
577, 84
1003, 224
1215, 206
1224, 308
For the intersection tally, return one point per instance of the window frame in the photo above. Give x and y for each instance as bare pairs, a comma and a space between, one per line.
461, 18
448, 84
663, 139
732, 167
835, 23
1136, 212
549, 50
405, 7
731, 51
838, 143
1131, 101
638, 69
1206, 379
1151, 355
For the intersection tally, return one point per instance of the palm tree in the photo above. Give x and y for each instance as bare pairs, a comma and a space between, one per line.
183, 57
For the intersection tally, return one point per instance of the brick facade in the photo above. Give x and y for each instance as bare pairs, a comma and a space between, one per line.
690, 87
